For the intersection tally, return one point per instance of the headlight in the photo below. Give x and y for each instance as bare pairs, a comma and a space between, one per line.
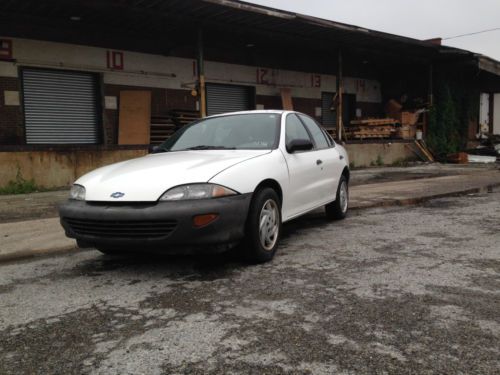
196, 191
77, 192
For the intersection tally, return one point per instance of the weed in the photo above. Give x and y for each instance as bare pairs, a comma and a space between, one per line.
402, 162
20, 185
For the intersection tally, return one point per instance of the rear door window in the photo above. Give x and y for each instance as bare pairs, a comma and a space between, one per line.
316, 132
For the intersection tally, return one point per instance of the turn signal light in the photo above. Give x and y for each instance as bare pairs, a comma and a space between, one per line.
202, 220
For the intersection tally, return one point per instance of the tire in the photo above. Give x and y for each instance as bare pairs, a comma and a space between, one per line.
260, 246
337, 210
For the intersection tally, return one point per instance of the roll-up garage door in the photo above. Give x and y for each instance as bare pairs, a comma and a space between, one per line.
229, 98
60, 107
328, 117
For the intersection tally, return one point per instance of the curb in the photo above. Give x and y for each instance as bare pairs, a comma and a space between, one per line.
30, 254
420, 200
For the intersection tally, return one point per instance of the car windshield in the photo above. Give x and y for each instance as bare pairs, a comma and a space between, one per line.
257, 131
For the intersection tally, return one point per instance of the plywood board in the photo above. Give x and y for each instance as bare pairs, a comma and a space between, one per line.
286, 99
134, 118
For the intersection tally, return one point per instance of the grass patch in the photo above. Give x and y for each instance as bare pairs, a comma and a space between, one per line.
403, 162
379, 162
20, 186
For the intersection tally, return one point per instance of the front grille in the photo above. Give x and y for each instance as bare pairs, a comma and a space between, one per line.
122, 229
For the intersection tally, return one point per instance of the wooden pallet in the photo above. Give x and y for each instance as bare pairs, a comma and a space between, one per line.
184, 117
369, 136
368, 129
371, 128
373, 122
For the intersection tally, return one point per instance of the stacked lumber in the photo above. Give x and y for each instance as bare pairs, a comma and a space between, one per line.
183, 117
421, 150
371, 128
373, 122
332, 131
162, 127
422, 147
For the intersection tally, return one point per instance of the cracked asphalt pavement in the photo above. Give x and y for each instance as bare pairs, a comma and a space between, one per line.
409, 290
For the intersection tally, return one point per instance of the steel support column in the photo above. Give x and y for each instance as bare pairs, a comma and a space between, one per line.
430, 98
340, 90
201, 76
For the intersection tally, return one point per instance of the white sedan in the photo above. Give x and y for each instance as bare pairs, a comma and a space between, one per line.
226, 179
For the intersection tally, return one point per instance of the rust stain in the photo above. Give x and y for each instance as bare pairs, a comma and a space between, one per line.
53, 169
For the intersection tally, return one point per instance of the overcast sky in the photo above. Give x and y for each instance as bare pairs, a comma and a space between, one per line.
421, 19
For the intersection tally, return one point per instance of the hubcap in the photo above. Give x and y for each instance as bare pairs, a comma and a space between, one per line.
344, 198
269, 224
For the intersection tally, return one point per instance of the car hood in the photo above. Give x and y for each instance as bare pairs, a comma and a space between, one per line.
145, 179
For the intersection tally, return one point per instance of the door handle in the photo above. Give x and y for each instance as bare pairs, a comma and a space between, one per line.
318, 162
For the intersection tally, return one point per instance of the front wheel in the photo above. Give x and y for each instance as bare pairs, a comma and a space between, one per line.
337, 210
263, 226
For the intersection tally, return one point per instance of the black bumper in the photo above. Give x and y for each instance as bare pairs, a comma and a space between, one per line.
159, 226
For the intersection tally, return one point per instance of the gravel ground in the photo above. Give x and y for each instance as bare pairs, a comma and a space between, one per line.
387, 291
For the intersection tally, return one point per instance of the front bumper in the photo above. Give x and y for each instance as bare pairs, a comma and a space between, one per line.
159, 226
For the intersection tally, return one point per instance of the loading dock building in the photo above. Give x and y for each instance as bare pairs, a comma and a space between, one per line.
86, 83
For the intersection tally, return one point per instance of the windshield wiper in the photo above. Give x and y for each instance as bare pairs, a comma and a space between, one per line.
206, 147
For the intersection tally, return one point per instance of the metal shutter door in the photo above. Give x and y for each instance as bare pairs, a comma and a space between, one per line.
328, 117
60, 107
227, 98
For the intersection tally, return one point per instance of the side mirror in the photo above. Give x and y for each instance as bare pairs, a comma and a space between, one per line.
299, 145
153, 149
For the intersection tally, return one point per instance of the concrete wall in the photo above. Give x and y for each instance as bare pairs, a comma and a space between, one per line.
52, 169
367, 154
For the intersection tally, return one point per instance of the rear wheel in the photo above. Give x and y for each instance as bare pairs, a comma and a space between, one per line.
337, 210
263, 226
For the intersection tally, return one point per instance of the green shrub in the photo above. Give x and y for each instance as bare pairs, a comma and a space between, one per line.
454, 107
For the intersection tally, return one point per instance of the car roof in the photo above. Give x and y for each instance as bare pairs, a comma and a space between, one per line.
255, 111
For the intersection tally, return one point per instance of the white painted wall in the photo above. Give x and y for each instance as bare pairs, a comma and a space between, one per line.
496, 114
148, 70
484, 112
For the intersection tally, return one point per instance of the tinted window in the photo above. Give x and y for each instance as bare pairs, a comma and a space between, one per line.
295, 129
248, 131
316, 132
329, 138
